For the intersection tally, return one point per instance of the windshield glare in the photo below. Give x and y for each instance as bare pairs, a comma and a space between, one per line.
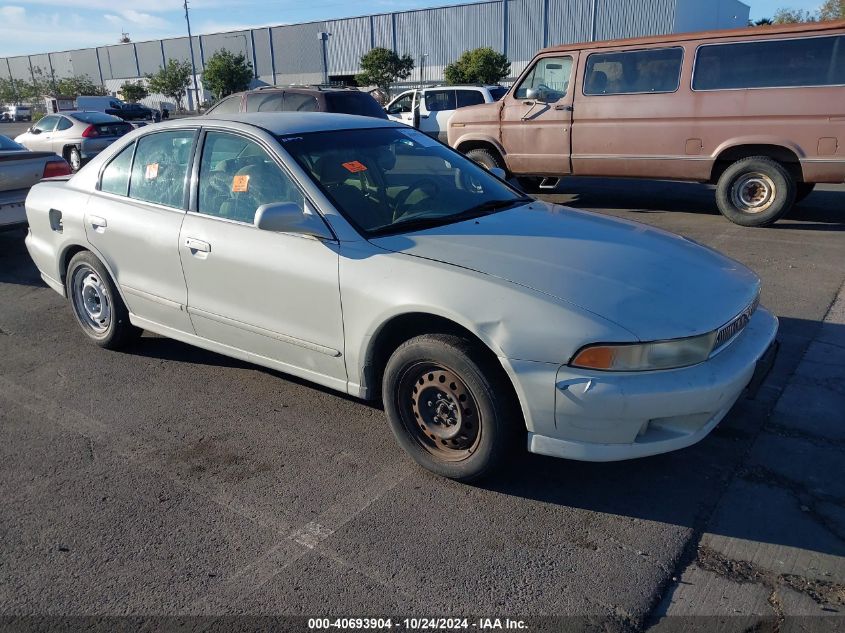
387, 180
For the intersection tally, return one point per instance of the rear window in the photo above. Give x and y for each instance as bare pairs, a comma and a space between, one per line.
498, 92
812, 61
264, 101
113, 129
96, 117
354, 103
469, 97
630, 72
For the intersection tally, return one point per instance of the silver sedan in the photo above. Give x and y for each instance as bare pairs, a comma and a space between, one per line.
369, 258
75, 136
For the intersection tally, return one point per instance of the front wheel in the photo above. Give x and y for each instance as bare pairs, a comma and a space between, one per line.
755, 191
449, 407
487, 158
96, 304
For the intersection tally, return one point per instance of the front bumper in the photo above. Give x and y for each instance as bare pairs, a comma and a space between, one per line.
605, 416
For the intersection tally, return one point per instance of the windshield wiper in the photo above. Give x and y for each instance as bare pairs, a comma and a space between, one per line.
485, 208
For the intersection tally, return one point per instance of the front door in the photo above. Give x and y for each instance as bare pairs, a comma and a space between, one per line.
274, 295
42, 141
401, 109
133, 222
537, 118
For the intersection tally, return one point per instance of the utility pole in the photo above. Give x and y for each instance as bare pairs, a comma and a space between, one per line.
323, 36
422, 69
193, 67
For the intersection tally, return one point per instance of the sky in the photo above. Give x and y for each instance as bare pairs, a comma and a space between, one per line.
38, 26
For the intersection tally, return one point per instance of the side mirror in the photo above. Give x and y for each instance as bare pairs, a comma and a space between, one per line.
536, 94
34, 130
288, 217
498, 172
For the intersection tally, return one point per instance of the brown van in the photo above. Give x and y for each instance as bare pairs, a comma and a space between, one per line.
760, 112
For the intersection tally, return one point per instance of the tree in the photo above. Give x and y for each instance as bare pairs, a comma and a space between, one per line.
381, 67
832, 10
760, 22
478, 66
792, 16
134, 92
79, 85
226, 73
172, 81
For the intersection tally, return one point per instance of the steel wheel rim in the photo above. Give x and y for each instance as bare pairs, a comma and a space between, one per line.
753, 192
439, 411
91, 300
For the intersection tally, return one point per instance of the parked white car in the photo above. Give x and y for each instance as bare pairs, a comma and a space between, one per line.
429, 109
366, 257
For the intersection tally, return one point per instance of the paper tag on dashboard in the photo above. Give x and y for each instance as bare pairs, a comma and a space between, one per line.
240, 184
151, 172
355, 166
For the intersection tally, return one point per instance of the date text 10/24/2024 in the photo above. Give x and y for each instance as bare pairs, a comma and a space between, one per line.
417, 624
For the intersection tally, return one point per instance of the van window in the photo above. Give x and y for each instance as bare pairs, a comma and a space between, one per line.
631, 72
469, 98
300, 102
264, 101
811, 61
551, 73
439, 100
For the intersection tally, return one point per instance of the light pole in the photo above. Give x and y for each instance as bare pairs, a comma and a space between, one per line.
323, 36
422, 69
193, 67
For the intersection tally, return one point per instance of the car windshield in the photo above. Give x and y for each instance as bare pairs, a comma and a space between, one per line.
354, 103
391, 180
95, 117
7, 144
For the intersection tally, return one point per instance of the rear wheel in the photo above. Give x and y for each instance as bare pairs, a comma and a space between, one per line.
803, 189
449, 407
96, 304
74, 157
487, 158
755, 191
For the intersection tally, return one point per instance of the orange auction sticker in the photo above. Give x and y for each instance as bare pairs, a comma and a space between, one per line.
151, 171
240, 183
355, 166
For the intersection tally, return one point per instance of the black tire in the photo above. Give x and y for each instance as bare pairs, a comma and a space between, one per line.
487, 158
802, 190
105, 320
755, 191
74, 157
450, 407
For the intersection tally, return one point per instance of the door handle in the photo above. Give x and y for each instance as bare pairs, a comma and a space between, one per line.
197, 245
98, 223
568, 108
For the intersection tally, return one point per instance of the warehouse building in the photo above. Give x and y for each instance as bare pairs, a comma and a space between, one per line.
331, 49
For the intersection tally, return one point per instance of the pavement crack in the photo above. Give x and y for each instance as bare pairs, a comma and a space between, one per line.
826, 442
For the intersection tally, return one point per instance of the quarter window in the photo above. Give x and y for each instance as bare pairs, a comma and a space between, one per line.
116, 174
551, 75
64, 124
237, 176
160, 169
469, 98
814, 61
631, 72
438, 100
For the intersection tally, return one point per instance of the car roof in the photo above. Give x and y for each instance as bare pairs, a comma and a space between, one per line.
298, 122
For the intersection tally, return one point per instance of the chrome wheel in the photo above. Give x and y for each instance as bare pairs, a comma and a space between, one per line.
753, 192
439, 411
75, 160
91, 300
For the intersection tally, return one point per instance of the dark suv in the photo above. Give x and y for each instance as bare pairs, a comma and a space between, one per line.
300, 99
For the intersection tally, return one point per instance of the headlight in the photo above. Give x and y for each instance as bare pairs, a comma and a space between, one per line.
645, 356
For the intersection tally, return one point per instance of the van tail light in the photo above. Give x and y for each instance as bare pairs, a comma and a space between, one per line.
90, 132
55, 168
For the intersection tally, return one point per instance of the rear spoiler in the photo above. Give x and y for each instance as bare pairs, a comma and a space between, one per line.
25, 155
57, 178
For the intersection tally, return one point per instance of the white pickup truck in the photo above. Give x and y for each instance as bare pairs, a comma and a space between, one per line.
429, 109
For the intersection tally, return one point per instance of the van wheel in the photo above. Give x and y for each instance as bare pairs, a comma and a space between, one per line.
755, 191
802, 190
449, 408
74, 158
96, 304
487, 158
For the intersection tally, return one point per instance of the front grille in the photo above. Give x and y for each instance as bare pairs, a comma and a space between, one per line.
735, 325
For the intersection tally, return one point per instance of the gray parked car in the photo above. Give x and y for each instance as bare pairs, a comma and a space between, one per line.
19, 170
75, 136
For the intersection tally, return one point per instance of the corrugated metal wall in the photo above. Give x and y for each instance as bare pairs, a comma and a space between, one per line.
294, 54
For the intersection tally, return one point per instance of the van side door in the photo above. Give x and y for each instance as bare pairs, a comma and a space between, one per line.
536, 119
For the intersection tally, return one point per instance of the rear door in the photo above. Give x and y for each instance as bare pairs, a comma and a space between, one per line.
436, 108
133, 221
537, 117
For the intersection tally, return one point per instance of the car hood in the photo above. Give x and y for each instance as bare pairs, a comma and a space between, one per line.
655, 284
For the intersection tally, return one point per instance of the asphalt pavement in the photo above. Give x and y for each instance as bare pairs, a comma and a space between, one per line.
169, 481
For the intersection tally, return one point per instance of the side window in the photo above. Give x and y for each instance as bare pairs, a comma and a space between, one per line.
550, 75
116, 174
47, 124
229, 105
237, 176
630, 72
812, 61
64, 124
402, 104
438, 100
264, 101
469, 97
297, 102
160, 170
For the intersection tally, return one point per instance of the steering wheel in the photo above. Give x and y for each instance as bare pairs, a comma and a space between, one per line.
420, 185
